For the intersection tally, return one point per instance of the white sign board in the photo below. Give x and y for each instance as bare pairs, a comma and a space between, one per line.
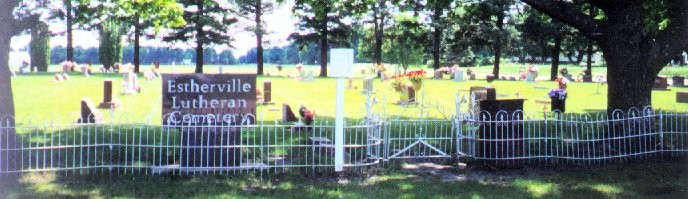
342, 62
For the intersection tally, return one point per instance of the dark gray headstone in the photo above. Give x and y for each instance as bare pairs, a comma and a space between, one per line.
287, 114
108, 101
89, 113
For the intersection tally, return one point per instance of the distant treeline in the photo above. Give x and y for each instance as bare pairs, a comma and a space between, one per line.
291, 54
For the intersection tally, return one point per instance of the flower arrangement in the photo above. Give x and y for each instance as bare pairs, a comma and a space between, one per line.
416, 75
445, 70
67, 66
562, 82
469, 71
299, 67
380, 68
532, 69
558, 94
306, 115
398, 82
279, 68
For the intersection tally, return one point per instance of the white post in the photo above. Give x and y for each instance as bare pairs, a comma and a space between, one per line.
342, 61
220, 70
339, 127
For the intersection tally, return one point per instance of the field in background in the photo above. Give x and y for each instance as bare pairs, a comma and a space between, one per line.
38, 98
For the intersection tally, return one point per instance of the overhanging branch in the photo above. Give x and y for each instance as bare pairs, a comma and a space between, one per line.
672, 40
566, 13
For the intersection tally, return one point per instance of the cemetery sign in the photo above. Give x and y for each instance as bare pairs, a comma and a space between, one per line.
228, 99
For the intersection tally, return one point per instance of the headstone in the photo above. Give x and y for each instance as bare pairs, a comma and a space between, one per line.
490, 78
89, 113
682, 97
108, 101
512, 78
267, 92
490, 93
678, 81
498, 137
84, 71
287, 114
58, 77
302, 75
660, 83
411, 94
458, 75
13, 73
65, 77
479, 92
530, 76
350, 83
130, 83
368, 85
310, 76
34, 69
439, 74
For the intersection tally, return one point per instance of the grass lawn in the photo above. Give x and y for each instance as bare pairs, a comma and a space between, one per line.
655, 180
39, 99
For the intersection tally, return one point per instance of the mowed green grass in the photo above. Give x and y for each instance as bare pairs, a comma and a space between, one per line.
654, 180
39, 99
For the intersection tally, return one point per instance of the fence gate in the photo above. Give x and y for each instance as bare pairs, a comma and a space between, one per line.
405, 139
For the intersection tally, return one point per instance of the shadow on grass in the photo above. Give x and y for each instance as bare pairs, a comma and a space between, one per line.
667, 179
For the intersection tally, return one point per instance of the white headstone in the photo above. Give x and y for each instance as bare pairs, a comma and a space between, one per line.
84, 70
458, 75
129, 84
530, 77
65, 76
310, 76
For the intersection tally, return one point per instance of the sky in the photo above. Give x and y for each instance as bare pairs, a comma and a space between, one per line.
280, 23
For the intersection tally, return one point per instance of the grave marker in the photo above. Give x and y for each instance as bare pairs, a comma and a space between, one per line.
89, 113
267, 92
287, 114
368, 85
108, 102
458, 75
411, 94
660, 83
682, 97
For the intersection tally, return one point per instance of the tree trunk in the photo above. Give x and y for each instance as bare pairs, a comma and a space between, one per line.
137, 46
579, 57
498, 44
323, 51
555, 57
200, 37
588, 64
8, 139
259, 36
630, 74
437, 37
70, 37
378, 27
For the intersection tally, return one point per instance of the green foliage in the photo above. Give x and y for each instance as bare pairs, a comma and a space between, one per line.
110, 51
405, 41
40, 46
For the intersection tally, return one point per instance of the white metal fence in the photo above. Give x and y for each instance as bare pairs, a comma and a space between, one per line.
571, 138
511, 139
191, 149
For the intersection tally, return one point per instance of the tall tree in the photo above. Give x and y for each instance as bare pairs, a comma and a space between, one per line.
439, 9
110, 49
486, 26
207, 22
638, 38
545, 33
70, 26
12, 25
40, 46
321, 22
255, 9
142, 15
